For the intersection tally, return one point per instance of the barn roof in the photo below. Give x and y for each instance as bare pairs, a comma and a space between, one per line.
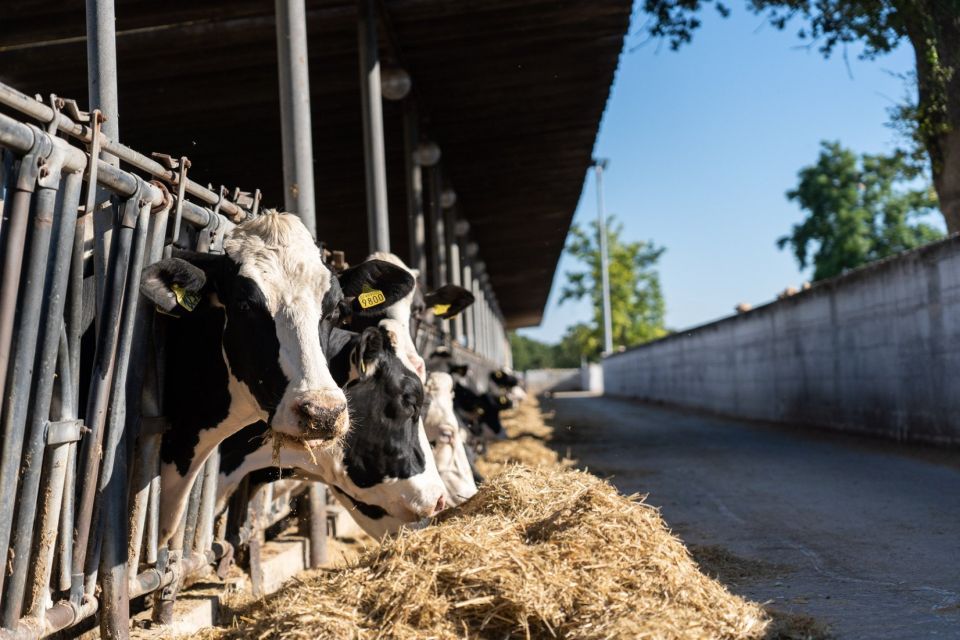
512, 91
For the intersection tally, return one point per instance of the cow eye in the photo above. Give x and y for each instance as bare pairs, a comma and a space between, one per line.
244, 306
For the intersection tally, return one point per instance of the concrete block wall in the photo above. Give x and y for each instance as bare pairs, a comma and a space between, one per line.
876, 350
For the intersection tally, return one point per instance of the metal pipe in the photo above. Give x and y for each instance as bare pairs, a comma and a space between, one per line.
469, 325
99, 396
378, 218
17, 392
115, 618
599, 165
297, 133
41, 112
53, 289
53, 506
102, 93
141, 398
416, 229
317, 498
434, 221
65, 538
452, 253
16, 238
208, 503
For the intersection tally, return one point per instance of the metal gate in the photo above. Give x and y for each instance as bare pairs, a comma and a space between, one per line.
82, 407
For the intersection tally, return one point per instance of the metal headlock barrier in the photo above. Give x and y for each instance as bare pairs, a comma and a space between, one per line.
82, 406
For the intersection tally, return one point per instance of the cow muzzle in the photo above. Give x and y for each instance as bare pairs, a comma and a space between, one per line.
320, 416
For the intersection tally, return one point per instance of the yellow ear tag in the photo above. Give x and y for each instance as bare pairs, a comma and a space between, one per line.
363, 367
441, 309
185, 299
371, 297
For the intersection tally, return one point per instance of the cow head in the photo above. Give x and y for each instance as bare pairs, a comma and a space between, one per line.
383, 468
443, 432
413, 309
268, 292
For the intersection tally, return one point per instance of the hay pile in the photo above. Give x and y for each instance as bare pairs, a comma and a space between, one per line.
527, 434
545, 552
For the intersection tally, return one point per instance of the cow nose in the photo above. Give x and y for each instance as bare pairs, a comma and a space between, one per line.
441, 505
321, 420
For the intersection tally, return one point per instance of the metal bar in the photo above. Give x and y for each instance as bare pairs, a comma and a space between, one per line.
378, 218
599, 166
16, 239
142, 400
416, 228
469, 325
296, 130
17, 391
53, 289
208, 503
193, 510
434, 221
99, 396
102, 92
41, 112
115, 618
65, 538
52, 507
317, 497
452, 254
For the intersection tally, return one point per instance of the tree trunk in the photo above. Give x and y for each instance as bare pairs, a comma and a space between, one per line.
933, 27
947, 179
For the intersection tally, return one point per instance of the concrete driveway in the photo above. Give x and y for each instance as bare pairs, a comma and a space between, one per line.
861, 534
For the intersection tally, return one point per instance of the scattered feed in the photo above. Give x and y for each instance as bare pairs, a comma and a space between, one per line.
546, 552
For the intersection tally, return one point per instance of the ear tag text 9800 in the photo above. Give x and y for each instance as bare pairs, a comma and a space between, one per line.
371, 297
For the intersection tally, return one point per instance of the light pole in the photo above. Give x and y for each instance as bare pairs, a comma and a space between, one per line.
599, 164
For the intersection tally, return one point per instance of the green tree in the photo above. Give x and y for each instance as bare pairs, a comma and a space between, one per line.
931, 26
636, 300
858, 210
533, 354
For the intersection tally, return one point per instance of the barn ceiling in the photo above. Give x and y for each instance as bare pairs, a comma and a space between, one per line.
511, 90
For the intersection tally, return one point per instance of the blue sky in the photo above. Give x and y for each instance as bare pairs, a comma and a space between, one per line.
703, 143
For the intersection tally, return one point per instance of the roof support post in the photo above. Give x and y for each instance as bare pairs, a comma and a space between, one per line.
416, 227
296, 127
378, 220
102, 95
438, 260
469, 338
453, 264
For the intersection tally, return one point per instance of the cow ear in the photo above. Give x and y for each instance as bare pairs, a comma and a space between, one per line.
369, 351
173, 284
448, 300
374, 285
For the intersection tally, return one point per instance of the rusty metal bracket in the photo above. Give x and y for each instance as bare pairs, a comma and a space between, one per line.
133, 204
64, 431
73, 110
56, 104
183, 164
50, 164
93, 150
31, 161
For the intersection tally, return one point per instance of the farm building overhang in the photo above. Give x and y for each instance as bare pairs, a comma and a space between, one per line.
512, 91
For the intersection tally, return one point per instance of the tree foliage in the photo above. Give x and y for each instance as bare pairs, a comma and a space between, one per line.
533, 354
931, 26
636, 300
859, 209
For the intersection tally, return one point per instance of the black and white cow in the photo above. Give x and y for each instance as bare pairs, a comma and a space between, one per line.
245, 345
414, 309
444, 432
382, 471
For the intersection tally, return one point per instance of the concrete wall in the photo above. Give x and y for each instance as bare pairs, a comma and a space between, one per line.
539, 380
876, 350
